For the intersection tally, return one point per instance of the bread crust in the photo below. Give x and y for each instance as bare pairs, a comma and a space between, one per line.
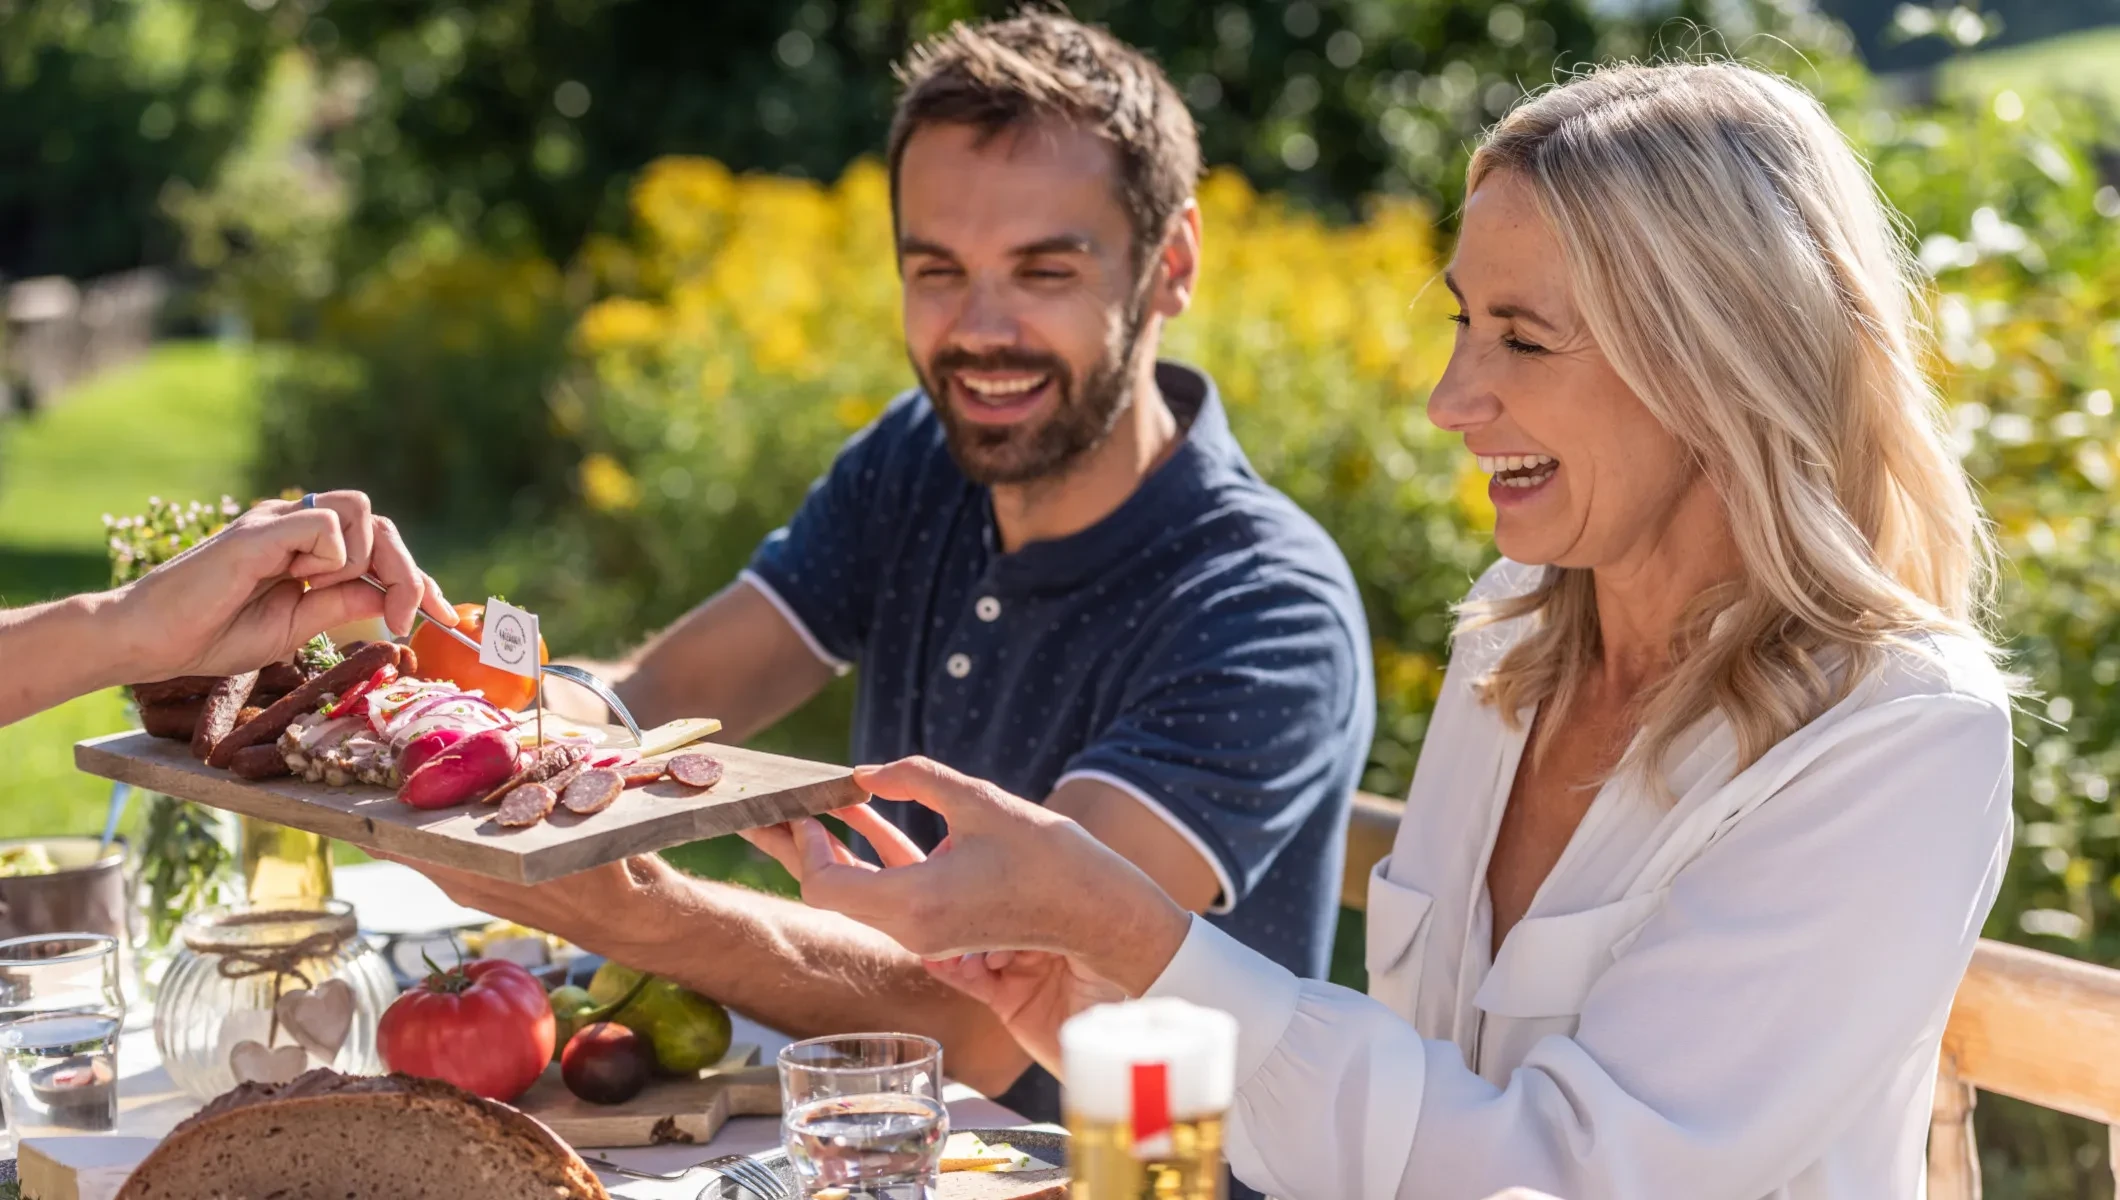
235, 1114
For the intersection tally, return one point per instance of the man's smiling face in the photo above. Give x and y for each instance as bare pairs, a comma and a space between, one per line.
1023, 314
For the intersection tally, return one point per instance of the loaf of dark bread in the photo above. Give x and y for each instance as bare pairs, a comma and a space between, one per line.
327, 1136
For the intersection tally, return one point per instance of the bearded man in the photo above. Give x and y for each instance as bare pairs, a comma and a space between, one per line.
1051, 563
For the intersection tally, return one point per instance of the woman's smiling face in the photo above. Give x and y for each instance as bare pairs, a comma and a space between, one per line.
1583, 475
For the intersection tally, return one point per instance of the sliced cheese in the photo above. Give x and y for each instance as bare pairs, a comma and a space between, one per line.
682, 732
969, 1152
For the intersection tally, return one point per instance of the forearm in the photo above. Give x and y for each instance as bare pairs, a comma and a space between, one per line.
50, 653
806, 972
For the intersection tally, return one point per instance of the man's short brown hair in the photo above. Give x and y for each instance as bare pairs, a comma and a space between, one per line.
999, 75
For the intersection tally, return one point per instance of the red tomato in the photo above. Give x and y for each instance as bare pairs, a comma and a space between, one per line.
485, 1027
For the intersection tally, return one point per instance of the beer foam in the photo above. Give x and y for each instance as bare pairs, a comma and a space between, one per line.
1100, 1047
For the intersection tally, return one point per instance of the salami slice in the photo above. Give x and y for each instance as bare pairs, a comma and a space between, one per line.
558, 783
696, 770
593, 791
259, 762
548, 761
223, 705
644, 771
526, 805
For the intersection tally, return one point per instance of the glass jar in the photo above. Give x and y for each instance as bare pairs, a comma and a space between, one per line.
252, 994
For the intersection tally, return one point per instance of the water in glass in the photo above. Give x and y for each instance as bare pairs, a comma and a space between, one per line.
887, 1146
60, 1012
864, 1116
61, 1073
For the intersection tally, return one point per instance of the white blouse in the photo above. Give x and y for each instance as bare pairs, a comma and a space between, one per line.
1736, 995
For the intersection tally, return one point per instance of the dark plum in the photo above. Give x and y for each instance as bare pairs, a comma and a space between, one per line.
606, 1063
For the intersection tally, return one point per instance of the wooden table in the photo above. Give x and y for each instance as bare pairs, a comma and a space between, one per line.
149, 1104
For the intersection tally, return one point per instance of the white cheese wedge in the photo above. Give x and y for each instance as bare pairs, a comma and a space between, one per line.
682, 732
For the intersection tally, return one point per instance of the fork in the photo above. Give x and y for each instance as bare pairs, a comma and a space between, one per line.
573, 674
750, 1175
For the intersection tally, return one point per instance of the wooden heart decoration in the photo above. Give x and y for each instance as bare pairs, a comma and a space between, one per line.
253, 1063
318, 1018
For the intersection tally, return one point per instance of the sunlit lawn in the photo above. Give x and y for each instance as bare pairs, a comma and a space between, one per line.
180, 424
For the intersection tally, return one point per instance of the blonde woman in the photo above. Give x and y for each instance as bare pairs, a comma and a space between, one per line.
1717, 794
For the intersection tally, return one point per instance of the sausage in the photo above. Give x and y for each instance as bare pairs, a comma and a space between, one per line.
549, 760
169, 691
696, 770
593, 791
223, 703
408, 663
274, 721
260, 762
644, 770
281, 678
173, 719
526, 805
250, 712
277, 679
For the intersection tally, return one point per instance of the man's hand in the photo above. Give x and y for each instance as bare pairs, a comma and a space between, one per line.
274, 578
588, 908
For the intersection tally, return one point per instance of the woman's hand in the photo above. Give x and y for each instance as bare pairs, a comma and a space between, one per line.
274, 578
1011, 877
1032, 992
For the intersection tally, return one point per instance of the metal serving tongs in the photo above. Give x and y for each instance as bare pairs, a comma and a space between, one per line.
597, 686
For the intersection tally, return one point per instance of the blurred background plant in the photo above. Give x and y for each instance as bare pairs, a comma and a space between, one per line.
588, 291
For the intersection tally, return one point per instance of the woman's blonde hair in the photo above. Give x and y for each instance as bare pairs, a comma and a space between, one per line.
1737, 265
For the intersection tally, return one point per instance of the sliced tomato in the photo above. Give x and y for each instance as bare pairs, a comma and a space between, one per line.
343, 706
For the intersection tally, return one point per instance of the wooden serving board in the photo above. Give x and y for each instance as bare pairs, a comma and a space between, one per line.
690, 1111
756, 789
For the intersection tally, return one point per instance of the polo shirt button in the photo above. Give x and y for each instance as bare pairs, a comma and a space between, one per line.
959, 665
988, 608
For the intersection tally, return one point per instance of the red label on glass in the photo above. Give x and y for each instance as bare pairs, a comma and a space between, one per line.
1151, 1110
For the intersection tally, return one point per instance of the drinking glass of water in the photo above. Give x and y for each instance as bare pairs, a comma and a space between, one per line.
60, 1009
863, 1116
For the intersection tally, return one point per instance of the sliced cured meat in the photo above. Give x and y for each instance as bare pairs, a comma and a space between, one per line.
526, 805
541, 765
223, 705
558, 783
259, 762
644, 771
696, 770
593, 791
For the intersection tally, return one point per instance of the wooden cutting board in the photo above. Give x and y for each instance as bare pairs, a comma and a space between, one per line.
756, 789
690, 1111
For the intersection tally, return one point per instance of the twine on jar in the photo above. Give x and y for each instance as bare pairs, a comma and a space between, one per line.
238, 960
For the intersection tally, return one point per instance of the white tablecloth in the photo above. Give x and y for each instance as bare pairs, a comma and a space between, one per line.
390, 898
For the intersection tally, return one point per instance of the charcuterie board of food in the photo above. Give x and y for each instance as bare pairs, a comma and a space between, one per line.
358, 745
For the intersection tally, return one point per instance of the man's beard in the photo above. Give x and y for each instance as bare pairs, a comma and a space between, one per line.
1082, 416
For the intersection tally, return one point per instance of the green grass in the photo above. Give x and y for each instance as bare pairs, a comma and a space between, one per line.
2077, 62
179, 424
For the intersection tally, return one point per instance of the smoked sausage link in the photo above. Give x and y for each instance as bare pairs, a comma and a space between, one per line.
304, 699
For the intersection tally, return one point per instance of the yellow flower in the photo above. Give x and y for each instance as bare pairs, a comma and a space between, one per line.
618, 323
606, 485
1473, 502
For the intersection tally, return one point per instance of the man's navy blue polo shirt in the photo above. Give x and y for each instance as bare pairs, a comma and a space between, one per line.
1202, 649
